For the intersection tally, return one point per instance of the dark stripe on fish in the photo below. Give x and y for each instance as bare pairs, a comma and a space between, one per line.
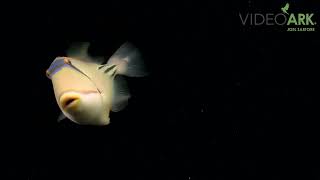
114, 73
101, 66
109, 68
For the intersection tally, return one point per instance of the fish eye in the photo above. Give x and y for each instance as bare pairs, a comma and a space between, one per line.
47, 73
67, 61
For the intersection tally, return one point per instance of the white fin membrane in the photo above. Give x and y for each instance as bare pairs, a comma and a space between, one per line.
121, 94
129, 61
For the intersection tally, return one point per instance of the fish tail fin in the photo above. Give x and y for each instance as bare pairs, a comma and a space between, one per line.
128, 60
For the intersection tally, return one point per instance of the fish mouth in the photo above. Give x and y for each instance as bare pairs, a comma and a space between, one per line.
69, 100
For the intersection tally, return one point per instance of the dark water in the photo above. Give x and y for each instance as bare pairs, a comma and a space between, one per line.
222, 101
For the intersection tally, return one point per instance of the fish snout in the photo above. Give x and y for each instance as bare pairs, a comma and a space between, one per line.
69, 100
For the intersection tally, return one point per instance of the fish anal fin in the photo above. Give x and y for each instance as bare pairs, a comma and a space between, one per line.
61, 117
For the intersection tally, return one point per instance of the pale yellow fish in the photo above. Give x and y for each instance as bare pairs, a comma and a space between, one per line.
86, 91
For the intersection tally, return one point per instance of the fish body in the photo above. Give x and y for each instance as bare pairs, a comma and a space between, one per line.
86, 91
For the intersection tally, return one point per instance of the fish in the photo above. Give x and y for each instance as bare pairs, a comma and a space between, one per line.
87, 90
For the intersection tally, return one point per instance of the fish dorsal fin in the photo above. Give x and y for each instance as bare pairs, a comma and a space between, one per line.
121, 94
80, 51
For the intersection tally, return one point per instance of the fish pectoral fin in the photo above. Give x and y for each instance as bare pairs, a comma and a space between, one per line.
61, 117
121, 94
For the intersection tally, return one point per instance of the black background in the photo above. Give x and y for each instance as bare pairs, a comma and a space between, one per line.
223, 101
